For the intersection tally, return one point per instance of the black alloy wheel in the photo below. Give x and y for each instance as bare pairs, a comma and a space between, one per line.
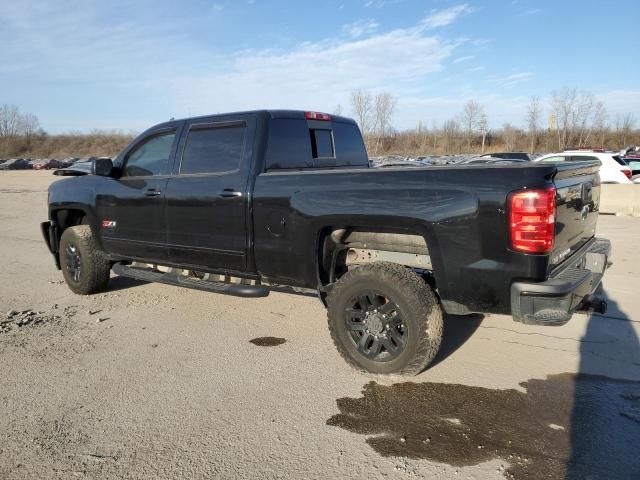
74, 262
376, 326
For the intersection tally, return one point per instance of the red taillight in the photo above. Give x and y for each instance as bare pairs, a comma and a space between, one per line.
317, 116
627, 173
532, 220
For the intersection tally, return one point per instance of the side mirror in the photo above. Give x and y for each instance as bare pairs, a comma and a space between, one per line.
102, 166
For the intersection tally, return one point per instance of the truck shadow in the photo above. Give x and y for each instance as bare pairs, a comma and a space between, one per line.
117, 283
605, 418
583, 425
457, 330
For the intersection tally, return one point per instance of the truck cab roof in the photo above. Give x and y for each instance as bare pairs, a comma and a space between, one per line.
270, 113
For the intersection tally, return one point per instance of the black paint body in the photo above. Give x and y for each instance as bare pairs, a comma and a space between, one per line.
273, 224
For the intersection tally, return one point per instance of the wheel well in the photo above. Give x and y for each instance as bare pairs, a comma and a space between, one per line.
345, 247
68, 218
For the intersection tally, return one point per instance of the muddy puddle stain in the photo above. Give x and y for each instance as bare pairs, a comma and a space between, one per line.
565, 427
268, 341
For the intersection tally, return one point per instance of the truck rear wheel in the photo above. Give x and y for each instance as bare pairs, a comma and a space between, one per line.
84, 266
385, 319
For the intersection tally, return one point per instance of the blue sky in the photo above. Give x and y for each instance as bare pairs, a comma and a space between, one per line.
83, 64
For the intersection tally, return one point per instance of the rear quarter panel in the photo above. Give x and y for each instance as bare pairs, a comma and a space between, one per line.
459, 210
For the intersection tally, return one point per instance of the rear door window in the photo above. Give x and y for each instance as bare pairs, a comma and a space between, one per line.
213, 148
289, 146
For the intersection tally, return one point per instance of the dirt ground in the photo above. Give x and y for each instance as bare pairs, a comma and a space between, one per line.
153, 381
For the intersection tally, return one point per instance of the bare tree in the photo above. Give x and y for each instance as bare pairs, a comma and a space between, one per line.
533, 121
9, 121
28, 125
337, 110
562, 104
434, 135
450, 131
384, 106
624, 125
471, 115
581, 117
510, 136
363, 111
599, 126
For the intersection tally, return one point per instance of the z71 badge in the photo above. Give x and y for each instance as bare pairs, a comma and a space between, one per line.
108, 223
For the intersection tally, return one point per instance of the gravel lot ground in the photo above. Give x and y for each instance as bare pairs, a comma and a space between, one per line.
153, 381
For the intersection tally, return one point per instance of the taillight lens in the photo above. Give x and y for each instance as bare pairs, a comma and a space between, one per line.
532, 220
627, 173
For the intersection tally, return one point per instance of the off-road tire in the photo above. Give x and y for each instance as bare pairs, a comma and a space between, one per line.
95, 268
417, 302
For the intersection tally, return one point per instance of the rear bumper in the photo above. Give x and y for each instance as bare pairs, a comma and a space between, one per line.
555, 300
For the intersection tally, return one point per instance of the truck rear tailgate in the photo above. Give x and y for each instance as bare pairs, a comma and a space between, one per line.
577, 201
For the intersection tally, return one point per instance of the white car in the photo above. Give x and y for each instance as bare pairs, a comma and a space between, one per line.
612, 170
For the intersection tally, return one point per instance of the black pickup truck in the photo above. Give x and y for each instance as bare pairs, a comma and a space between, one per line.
241, 202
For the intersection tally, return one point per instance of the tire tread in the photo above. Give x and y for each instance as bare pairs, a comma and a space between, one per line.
422, 302
96, 266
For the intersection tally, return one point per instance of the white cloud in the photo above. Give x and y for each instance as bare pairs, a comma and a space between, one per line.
319, 75
531, 11
442, 18
512, 79
466, 58
620, 102
70, 41
315, 75
162, 70
361, 27
380, 3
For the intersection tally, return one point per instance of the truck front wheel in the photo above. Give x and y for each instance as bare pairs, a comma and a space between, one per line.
84, 266
385, 319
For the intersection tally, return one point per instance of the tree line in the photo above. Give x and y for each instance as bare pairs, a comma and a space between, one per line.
21, 136
568, 118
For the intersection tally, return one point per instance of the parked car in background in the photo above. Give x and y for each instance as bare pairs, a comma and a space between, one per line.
75, 170
633, 160
508, 155
46, 164
492, 161
16, 164
613, 168
68, 161
39, 164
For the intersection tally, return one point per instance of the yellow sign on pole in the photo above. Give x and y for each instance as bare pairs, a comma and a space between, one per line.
552, 122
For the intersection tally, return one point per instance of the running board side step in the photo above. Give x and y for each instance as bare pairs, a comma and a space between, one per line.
172, 278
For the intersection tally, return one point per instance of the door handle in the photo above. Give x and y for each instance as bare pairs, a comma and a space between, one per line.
229, 193
152, 192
